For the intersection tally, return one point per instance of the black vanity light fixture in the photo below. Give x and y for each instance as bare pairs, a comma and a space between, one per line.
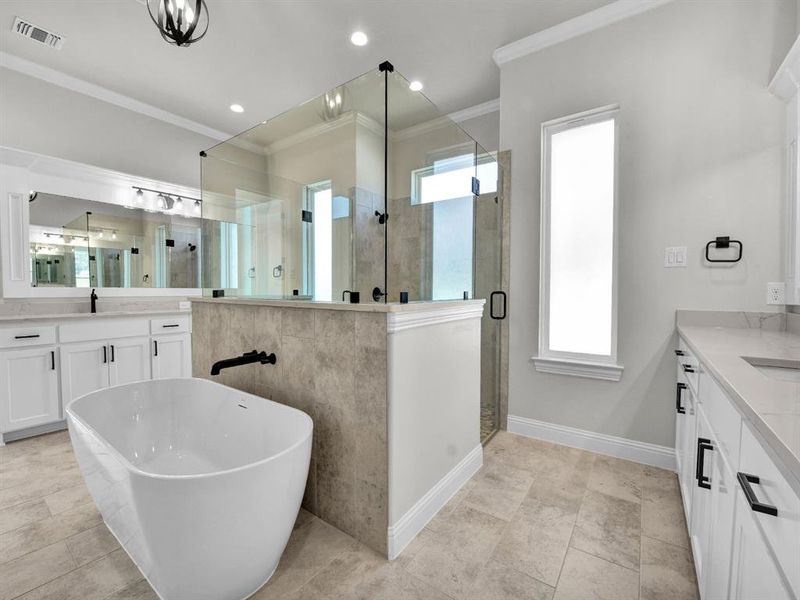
180, 22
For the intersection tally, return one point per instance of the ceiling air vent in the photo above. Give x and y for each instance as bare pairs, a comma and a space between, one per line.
29, 30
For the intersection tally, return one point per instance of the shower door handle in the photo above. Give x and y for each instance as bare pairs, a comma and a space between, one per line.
492, 314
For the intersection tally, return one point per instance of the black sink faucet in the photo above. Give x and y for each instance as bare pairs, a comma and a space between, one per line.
93, 298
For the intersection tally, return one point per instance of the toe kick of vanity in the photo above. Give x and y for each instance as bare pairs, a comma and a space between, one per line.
739, 475
48, 361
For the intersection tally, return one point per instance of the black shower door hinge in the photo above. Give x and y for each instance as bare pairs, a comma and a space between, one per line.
476, 186
305, 215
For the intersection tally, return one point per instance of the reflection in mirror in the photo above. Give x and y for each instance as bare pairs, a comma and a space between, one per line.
83, 243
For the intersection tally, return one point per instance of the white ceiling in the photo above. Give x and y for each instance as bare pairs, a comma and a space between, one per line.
270, 55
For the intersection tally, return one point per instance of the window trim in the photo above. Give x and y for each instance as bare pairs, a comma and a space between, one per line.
575, 364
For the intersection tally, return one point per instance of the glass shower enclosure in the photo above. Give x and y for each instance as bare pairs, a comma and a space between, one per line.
367, 188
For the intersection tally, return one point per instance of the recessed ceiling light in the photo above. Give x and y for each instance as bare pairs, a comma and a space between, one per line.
359, 38
237, 108
415, 86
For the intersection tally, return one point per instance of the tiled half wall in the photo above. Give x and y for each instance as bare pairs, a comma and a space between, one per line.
332, 365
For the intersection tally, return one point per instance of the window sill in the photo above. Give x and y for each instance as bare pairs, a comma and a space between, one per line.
578, 368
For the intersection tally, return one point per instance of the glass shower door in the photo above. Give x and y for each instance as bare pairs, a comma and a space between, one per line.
488, 285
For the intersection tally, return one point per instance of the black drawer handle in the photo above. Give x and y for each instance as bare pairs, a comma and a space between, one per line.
26, 337
105, 355
52, 360
113, 357
155, 347
745, 480
680, 353
175, 325
678, 407
688, 368
703, 444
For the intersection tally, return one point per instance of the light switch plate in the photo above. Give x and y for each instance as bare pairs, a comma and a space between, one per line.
776, 292
183, 305
675, 256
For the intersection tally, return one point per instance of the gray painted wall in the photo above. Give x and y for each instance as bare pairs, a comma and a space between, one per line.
485, 130
700, 156
41, 117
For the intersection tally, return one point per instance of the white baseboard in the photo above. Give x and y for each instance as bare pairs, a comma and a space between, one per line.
410, 524
641, 452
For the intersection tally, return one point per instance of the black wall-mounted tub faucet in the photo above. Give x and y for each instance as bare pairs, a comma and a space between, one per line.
93, 300
245, 359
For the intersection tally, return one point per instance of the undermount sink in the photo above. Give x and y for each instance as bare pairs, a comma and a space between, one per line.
776, 368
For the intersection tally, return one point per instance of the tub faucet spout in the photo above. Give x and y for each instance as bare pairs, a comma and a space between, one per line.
247, 358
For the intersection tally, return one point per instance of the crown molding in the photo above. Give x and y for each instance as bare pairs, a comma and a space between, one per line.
478, 110
786, 81
591, 21
32, 69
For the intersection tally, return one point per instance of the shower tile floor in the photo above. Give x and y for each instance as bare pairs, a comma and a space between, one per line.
539, 521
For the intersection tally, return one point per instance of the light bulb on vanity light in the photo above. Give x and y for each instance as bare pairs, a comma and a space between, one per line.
139, 196
113, 235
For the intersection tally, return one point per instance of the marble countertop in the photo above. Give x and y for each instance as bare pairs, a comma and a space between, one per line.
362, 307
87, 315
770, 405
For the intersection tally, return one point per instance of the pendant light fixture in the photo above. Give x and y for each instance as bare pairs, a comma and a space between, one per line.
180, 22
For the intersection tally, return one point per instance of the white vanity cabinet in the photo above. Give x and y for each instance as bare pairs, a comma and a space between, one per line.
172, 356
742, 551
172, 347
44, 366
29, 387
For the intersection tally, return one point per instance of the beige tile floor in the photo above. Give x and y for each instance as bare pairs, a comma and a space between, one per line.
538, 522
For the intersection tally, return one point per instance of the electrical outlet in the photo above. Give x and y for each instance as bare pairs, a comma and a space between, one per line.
776, 293
675, 257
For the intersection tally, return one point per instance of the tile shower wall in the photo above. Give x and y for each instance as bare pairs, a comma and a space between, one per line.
331, 365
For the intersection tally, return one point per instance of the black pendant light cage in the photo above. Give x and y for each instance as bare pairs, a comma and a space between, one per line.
180, 22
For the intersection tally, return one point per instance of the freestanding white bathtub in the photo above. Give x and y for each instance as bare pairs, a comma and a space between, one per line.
200, 483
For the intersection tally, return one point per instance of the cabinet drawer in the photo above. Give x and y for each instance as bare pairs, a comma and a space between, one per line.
178, 324
781, 532
724, 419
27, 335
688, 365
102, 329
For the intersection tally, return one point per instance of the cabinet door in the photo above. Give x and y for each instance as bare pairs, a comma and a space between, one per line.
172, 356
700, 527
84, 369
720, 546
688, 447
128, 360
754, 571
28, 388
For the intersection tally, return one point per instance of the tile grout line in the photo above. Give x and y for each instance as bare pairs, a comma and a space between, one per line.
68, 572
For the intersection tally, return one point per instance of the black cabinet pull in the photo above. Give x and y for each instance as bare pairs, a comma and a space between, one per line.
687, 368
703, 444
105, 355
680, 409
745, 480
175, 325
52, 360
26, 337
502, 315
155, 347
680, 353
113, 358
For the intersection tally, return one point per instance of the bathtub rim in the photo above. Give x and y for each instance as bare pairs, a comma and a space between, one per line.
134, 469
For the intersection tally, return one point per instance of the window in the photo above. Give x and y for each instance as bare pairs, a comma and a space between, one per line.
578, 296
319, 201
447, 184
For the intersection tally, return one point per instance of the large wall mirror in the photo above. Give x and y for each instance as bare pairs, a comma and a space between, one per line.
83, 243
